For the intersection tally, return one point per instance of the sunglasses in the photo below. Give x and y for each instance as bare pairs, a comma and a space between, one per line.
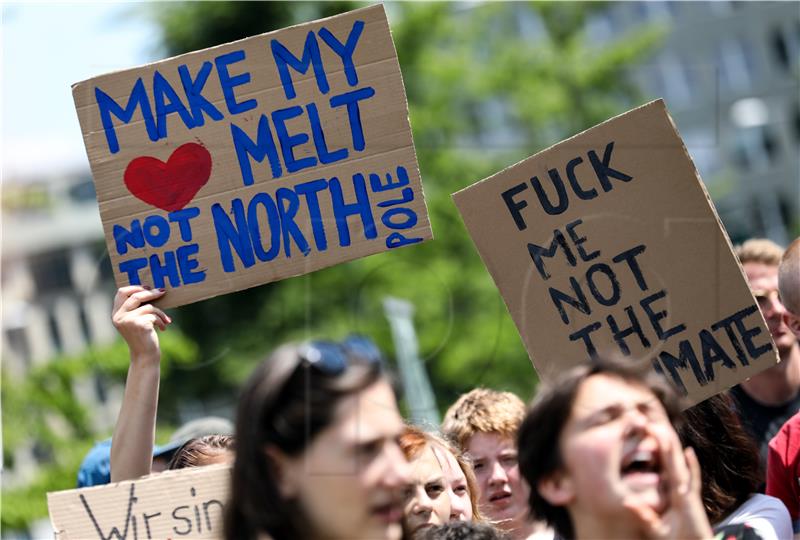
333, 357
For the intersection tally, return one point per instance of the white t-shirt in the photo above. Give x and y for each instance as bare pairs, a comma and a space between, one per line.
767, 515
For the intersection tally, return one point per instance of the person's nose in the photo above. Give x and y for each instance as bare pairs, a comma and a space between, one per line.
422, 504
773, 308
636, 421
397, 471
498, 475
458, 508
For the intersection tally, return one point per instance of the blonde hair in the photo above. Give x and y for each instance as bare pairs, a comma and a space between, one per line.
759, 250
789, 278
413, 441
483, 411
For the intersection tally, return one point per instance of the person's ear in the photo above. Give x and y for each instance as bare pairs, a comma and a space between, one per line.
284, 471
557, 489
793, 322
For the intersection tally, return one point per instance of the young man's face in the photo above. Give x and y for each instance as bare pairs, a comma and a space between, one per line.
763, 280
503, 492
612, 450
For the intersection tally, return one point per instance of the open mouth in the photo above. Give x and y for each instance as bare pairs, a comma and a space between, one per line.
641, 462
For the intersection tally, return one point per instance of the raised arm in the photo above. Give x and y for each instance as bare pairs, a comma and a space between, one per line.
136, 320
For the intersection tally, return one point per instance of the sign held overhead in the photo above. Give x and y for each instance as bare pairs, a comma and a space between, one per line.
257, 160
607, 243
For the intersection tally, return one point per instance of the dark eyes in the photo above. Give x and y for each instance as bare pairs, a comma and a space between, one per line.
434, 489
460, 490
477, 466
368, 449
509, 460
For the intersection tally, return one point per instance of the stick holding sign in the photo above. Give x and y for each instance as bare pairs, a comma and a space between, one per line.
250, 162
607, 243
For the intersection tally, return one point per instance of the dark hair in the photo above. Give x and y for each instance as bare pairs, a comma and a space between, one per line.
287, 415
537, 440
728, 456
195, 452
464, 530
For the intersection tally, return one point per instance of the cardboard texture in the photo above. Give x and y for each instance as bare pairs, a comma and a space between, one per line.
608, 243
246, 163
174, 504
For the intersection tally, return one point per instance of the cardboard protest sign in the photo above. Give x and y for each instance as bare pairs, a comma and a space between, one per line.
607, 243
246, 163
173, 504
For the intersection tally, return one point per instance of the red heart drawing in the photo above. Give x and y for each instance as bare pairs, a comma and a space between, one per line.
171, 185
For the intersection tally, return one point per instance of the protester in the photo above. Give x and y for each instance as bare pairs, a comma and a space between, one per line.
202, 451
464, 530
783, 461
427, 500
731, 472
132, 454
484, 424
770, 398
423, 503
460, 478
136, 319
317, 452
599, 449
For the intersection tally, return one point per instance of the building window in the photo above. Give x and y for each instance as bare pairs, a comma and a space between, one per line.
736, 64
51, 271
55, 336
18, 343
675, 79
756, 148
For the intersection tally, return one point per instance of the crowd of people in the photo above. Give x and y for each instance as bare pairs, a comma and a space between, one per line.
320, 449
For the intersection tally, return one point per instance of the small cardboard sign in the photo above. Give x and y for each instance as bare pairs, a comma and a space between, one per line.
607, 243
174, 504
257, 160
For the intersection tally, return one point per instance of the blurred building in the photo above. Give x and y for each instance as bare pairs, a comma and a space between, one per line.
57, 287
729, 73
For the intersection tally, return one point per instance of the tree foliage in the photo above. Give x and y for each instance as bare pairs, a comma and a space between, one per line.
487, 85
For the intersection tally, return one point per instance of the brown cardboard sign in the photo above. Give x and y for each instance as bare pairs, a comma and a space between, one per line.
607, 243
257, 160
174, 504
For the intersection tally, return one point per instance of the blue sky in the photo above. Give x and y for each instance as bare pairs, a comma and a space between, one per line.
46, 47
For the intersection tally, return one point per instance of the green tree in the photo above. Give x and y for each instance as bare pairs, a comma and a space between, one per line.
473, 77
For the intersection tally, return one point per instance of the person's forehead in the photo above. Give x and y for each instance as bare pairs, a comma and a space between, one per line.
601, 391
450, 466
483, 444
369, 414
425, 464
760, 274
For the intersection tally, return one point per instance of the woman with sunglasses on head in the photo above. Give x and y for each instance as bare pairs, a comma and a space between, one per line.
317, 452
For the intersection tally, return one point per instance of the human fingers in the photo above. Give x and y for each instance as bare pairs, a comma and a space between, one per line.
648, 519
138, 298
150, 309
695, 474
123, 293
163, 317
674, 465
